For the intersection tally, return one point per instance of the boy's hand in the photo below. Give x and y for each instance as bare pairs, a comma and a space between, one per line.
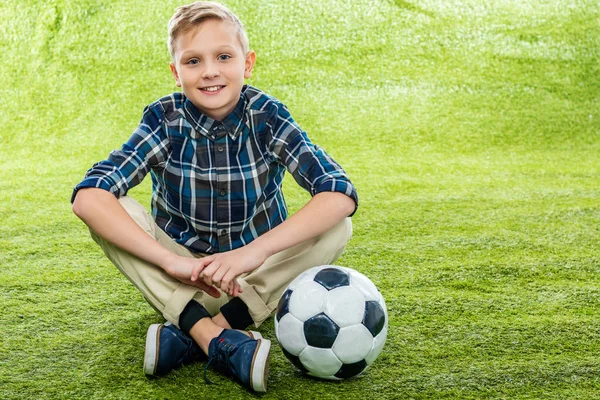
181, 269
222, 269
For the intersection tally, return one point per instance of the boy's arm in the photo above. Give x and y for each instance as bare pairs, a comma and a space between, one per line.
104, 215
321, 213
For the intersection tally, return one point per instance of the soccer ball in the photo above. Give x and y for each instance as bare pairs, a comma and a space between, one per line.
331, 322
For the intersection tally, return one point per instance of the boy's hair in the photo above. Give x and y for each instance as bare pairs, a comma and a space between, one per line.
189, 17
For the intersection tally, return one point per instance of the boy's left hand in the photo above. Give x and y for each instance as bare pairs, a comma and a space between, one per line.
222, 269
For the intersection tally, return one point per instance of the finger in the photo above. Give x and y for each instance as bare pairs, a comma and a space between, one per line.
200, 266
227, 283
196, 272
208, 259
238, 289
233, 286
218, 276
231, 289
208, 272
210, 290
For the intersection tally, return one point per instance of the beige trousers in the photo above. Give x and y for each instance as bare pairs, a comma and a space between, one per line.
261, 287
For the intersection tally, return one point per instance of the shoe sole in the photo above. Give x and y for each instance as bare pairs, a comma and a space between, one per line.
151, 352
260, 366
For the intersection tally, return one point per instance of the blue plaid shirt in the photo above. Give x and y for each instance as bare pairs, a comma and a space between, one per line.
217, 184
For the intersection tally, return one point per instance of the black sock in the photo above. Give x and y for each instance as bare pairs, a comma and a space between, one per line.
192, 313
236, 313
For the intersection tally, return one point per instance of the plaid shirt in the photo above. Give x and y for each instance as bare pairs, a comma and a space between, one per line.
217, 184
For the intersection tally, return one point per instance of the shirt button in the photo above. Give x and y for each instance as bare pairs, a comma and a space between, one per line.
223, 232
223, 192
220, 148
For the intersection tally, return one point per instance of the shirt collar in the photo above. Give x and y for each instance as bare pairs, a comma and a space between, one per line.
203, 124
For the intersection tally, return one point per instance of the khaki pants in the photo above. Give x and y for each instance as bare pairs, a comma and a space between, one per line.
261, 287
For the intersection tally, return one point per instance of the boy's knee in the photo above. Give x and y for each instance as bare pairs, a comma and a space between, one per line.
138, 213
337, 238
131, 205
342, 232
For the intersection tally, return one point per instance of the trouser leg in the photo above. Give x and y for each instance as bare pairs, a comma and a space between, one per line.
263, 287
165, 293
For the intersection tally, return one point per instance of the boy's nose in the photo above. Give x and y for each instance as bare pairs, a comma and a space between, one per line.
210, 71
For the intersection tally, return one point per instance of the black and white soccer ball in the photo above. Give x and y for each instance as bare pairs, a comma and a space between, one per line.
331, 322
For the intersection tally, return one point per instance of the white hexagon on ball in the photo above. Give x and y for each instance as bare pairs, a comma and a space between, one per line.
290, 333
320, 363
363, 284
307, 300
345, 305
307, 275
353, 343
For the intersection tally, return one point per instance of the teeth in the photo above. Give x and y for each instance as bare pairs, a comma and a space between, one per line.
212, 88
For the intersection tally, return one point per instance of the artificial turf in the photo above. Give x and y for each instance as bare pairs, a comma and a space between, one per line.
471, 130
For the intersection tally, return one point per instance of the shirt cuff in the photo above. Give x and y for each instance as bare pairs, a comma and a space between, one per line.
92, 182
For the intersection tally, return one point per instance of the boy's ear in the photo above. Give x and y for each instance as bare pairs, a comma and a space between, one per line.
175, 74
250, 60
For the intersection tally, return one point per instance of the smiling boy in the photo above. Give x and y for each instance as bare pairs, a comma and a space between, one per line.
210, 65
218, 249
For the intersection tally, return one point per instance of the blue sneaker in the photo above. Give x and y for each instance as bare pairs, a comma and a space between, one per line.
167, 348
247, 359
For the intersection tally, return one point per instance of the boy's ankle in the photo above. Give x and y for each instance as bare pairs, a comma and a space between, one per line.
221, 321
204, 331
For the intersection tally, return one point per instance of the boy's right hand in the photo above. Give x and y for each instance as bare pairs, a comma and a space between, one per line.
181, 268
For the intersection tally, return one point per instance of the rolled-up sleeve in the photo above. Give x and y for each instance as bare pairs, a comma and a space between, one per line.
312, 168
127, 167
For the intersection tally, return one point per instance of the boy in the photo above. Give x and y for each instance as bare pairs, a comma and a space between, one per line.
218, 249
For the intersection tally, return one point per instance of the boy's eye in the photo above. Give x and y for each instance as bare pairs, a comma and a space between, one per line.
224, 57
193, 61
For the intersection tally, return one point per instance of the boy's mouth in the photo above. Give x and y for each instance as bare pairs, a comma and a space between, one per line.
211, 89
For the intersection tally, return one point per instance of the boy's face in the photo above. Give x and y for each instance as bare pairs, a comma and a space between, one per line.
210, 67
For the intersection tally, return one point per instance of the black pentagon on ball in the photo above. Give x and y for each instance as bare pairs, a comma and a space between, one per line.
331, 278
350, 370
295, 360
283, 307
374, 318
320, 331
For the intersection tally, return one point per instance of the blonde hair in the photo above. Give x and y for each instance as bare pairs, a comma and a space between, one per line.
189, 17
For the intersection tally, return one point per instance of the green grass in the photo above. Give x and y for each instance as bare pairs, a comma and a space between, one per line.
471, 130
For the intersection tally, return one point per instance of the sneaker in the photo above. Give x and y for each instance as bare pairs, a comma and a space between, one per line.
167, 348
246, 359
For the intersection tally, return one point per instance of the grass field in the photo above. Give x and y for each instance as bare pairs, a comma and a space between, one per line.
471, 130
